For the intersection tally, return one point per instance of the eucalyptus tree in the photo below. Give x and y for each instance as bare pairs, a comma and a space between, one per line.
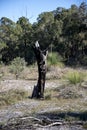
9, 32
42, 30
74, 32
25, 38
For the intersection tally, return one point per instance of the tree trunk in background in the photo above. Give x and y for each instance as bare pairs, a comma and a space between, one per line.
38, 91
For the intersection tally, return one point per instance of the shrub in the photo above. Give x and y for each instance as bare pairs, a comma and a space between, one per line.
83, 61
1, 70
17, 66
75, 77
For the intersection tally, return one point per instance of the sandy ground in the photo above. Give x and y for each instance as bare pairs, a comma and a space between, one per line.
29, 106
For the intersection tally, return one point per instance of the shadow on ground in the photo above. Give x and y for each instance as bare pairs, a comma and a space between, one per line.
81, 116
26, 123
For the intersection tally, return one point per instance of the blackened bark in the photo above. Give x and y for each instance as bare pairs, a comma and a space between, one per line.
38, 91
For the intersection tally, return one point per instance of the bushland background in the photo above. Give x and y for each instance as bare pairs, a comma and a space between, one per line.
64, 33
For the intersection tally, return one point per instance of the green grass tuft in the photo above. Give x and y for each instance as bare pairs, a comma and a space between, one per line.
54, 59
85, 125
75, 77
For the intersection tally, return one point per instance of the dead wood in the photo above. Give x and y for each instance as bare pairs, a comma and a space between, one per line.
38, 91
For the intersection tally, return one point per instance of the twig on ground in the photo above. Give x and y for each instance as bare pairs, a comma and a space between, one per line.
52, 124
34, 118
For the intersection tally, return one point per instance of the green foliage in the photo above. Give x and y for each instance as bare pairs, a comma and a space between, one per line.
17, 66
69, 40
54, 59
1, 70
75, 77
84, 61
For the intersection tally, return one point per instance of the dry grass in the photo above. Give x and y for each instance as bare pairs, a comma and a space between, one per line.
58, 98
12, 96
54, 103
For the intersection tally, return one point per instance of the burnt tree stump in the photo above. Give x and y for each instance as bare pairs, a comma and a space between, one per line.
38, 91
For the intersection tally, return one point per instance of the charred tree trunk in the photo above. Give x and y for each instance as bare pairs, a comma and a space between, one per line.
38, 91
